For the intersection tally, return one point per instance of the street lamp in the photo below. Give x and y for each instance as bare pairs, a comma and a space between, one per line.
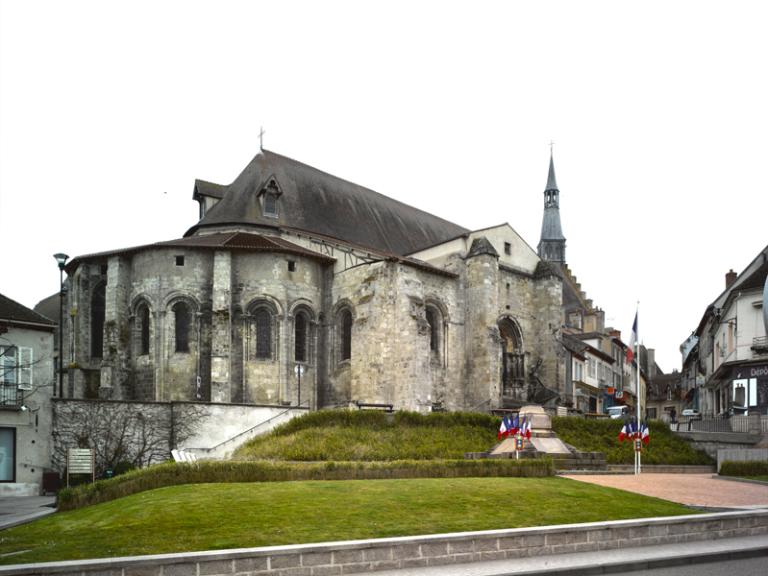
61, 260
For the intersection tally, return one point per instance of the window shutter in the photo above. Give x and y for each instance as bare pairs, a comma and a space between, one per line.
25, 367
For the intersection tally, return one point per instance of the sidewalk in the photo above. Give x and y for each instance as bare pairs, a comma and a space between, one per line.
15, 510
604, 561
690, 489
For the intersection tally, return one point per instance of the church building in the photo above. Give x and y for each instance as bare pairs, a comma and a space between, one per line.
298, 288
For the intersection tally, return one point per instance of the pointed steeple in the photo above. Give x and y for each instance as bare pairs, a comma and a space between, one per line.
552, 242
551, 180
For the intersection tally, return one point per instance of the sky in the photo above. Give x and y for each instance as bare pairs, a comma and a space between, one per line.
657, 111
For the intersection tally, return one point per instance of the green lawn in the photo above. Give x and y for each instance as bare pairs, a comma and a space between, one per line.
219, 516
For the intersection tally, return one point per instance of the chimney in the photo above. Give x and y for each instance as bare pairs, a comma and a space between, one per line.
651, 363
730, 278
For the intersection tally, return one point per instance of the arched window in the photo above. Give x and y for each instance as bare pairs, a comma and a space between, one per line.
182, 323
301, 337
142, 329
345, 333
434, 328
263, 321
97, 320
512, 355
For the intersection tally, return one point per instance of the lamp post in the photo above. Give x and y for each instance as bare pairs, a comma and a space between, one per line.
61, 260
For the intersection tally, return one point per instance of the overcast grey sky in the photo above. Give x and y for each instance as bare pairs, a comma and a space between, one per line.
658, 111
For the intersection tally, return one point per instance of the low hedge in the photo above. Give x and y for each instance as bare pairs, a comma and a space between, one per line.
171, 474
751, 468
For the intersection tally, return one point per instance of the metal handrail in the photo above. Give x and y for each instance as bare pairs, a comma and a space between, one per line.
251, 429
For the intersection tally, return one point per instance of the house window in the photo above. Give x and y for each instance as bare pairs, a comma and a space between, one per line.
97, 320
263, 321
577, 371
291, 266
507, 248
8, 453
345, 329
16, 366
180, 260
182, 322
301, 334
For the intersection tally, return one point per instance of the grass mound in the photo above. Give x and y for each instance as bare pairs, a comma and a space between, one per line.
602, 435
374, 436
221, 516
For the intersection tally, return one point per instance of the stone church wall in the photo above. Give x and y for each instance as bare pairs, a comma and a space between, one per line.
267, 278
395, 356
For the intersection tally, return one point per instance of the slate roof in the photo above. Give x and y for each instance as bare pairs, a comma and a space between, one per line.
228, 240
314, 201
248, 242
49, 307
11, 312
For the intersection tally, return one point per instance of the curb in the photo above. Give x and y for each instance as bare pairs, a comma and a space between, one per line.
637, 565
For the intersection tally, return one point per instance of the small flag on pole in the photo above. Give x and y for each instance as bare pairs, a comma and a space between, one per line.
502, 429
646, 433
632, 342
623, 433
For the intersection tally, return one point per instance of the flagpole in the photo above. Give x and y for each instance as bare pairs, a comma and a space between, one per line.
638, 458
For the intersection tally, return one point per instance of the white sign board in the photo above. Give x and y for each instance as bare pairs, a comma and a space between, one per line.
80, 461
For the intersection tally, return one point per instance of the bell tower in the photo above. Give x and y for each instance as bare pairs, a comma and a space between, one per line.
552, 243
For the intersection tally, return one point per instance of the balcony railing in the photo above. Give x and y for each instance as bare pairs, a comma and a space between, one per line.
10, 396
760, 344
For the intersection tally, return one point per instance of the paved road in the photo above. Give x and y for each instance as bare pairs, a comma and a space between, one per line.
15, 510
744, 567
640, 560
690, 489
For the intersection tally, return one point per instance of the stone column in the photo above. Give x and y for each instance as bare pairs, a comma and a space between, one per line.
114, 371
483, 346
221, 327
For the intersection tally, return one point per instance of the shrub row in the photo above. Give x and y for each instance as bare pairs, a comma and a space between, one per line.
171, 474
751, 468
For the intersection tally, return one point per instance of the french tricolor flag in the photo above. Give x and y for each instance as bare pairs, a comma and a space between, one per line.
632, 342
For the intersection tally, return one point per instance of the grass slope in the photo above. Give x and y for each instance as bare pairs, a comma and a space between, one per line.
602, 436
358, 435
220, 516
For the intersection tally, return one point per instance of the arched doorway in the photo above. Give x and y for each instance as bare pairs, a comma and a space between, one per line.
512, 358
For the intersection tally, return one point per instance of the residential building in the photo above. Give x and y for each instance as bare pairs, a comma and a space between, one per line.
728, 364
26, 384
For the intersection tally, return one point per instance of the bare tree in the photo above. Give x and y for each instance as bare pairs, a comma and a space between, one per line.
121, 434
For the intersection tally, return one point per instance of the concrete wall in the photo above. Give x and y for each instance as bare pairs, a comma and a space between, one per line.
32, 426
363, 556
209, 430
741, 455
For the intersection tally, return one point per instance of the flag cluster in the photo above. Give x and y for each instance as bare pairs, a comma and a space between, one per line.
514, 426
632, 431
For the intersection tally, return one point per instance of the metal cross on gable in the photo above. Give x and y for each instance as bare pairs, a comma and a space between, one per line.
261, 137
551, 145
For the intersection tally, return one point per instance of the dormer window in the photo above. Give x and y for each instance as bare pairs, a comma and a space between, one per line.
269, 197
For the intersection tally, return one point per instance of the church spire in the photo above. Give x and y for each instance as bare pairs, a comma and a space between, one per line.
552, 242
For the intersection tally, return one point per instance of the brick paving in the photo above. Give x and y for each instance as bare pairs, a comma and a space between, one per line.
690, 489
